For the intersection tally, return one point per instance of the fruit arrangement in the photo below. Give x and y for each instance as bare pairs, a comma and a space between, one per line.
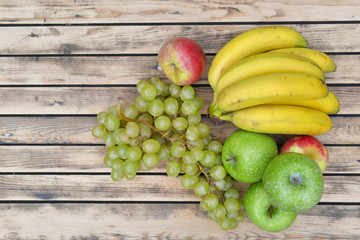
266, 80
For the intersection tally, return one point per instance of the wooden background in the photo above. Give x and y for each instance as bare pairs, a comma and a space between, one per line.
63, 61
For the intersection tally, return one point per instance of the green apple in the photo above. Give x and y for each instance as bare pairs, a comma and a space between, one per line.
246, 154
262, 213
293, 181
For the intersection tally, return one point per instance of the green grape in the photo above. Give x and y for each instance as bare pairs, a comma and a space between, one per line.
196, 143
122, 151
117, 164
159, 87
232, 205
187, 93
163, 153
113, 111
162, 123
188, 107
117, 175
131, 112
134, 153
158, 137
132, 129
151, 146
145, 131
147, 118
207, 140
140, 85
101, 117
233, 224
218, 159
228, 183
143, 167
109, 140
130, 176
211, 215
141, 104
124, 138
215, 146
148, 92
156, 107
174, 90
134, 141
188, 158
192, 133
197, 153
171, 106
165, 92
173, 169
219, 211
209, 158
153, 79
180, 123
201, 188
177, 149
189, 181
224, 223
191, 169
211, 201
116, 136
194, 119
220, 184
203, 206
218, 172
150, 160
237, 216
111, 122
99, 131
232, 193
204, 130
199, 102
112, 153
131, 167
107, 161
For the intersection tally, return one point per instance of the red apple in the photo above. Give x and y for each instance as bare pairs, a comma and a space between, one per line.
310, 146
182, 60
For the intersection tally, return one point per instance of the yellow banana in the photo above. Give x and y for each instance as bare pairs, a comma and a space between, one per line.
329, 104
322, 60
268, 88
280, 119
251, 42
266, 63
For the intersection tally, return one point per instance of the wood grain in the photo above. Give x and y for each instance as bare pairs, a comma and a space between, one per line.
91, 100
161, 221
65, 11
112, 70
146, 188
89, 159
147, 39
77, 130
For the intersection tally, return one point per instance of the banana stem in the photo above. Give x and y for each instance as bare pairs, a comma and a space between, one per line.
226, 117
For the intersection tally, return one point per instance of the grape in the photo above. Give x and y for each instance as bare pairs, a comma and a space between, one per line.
190, 169
148, 92
228, 183
218, 172
151, 146
194, 119
109, 140
207, 140
197, 153
117, 164
171, 106
131, 112
215, 146
232, 205
211, 201
177, 149
196, 143
174, 90
134, 153
132, 129
189, 181
199, 102
159, 87
146, 117
188, 158
130, 176
122, 151
134, 141
237, 216
99, 131
224, 223
165, 92
156, 107
107, 161
232, 193
173, 169
192, 133
233, 224
141, 104
201, 188
150, 160
219, 211
188, 108
209, 158
163, 153
162, 123
220, 184
145, 131
180, 123
131, 167
112, 153
153, 79
124, 138
117, 175
116, 136
158, 137
187, 93
140, 85
111, 122
101, 117
211, 215
203, 129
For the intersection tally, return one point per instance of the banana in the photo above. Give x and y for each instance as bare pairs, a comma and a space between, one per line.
329, 104
251, 42
323, 60
268, 88
266, 63
280, 119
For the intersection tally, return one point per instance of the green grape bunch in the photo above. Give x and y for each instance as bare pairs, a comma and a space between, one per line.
164, 124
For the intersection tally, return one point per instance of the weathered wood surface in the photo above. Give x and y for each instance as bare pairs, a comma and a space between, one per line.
114, 70
66, 11
161, 221
135, 39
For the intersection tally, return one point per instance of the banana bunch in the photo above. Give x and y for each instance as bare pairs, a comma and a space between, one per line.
266, 80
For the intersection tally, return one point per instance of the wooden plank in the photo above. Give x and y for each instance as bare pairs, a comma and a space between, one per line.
91, 100
147, 39
89, 159
65, 11
142, 188
161, 221
77, 130
108, 70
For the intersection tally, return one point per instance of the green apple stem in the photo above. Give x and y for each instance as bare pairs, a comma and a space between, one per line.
271, 209
296, 178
